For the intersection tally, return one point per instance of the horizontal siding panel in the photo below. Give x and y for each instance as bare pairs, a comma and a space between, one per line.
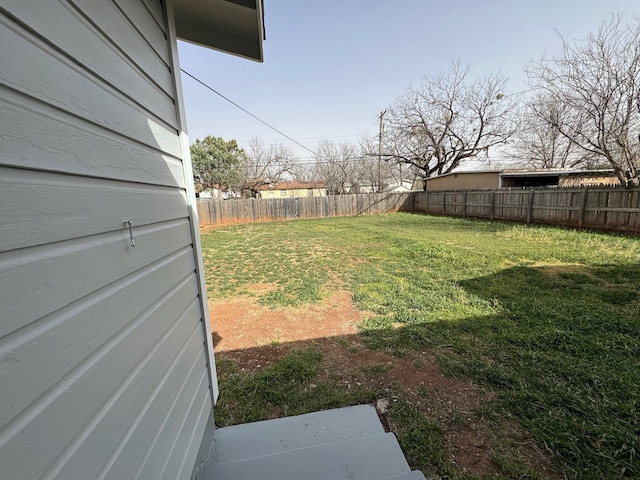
43, 207
194, 456
72, 403
170, 422
28, 64
51, 348
153, 60
155, 8
171, 441
145, 23
71, 270
187, 442
137, 442
77, 37
103, 434
101, 343
61, 142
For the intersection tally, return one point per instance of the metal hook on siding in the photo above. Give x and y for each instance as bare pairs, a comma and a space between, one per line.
128, 222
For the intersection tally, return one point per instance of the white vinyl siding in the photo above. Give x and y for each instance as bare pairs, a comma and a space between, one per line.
104, 360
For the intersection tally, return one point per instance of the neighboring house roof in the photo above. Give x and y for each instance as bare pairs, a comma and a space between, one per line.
232, 26
397, 189
465, 172
543, 172
533, 172
294, 186
403, 185
519, 178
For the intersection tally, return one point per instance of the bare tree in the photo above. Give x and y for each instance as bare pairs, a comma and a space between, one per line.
367, 173
339, 166
265, 165
375, 170
385, 167
596, 82
303, 172
540, 143
447, 119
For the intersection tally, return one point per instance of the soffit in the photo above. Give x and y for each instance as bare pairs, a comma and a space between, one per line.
232, 26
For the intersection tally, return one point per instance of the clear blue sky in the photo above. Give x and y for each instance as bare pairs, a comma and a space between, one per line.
331, 66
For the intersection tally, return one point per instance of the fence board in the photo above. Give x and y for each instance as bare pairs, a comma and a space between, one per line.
217, 212
598, 208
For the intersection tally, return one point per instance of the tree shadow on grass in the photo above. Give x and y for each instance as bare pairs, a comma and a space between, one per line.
559, 348
561, 352
432, 416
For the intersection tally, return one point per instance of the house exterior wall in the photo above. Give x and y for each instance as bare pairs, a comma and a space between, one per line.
464, 181
298, 192
106, 368
293, 190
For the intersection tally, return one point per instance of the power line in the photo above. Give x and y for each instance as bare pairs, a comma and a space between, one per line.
315, 161
247, 112
349, 139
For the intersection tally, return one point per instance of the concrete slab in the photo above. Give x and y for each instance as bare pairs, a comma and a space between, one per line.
414, 475
302, 431
364, 458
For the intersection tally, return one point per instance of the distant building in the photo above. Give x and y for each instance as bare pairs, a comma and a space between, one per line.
294, 189
557, 178
480, 180
401, 186
360, 188
516, 178
217, 193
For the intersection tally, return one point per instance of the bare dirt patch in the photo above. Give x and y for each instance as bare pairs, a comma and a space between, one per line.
255, 337
241, 323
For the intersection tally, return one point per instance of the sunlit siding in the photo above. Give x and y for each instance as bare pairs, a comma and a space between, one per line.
103, 359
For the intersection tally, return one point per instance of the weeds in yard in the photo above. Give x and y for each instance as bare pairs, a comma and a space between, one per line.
547, 318
375, 369
289, 387
241, 256
422, 440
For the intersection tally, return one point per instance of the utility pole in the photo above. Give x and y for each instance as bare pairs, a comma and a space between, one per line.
380, 152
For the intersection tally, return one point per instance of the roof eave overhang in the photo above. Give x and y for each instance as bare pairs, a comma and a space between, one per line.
231, 26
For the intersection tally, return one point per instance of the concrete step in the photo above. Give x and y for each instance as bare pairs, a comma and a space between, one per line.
377, 457
302, 431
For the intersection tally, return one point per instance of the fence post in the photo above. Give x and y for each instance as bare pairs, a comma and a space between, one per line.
464, 204
583, 208
629, 206
606, 206
530, 212
626, 209
493, 204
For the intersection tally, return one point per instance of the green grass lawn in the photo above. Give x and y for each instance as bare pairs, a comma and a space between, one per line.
547, 319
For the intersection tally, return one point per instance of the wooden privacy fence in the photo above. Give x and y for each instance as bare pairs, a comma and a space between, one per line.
216, 212
598, 208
